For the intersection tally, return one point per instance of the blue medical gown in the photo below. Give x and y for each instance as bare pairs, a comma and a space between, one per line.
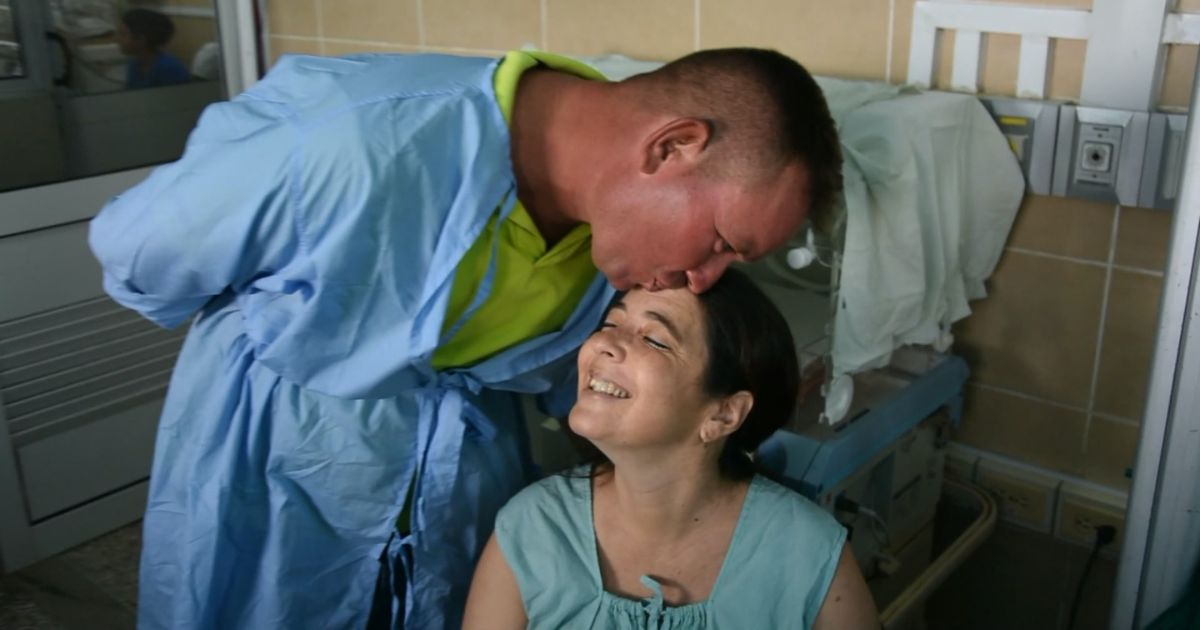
312, 229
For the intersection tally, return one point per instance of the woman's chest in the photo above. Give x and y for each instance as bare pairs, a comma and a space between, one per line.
687, 569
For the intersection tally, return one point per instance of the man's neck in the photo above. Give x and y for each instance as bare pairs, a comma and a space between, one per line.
548, 125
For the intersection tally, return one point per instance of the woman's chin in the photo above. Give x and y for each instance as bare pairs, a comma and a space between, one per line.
581, 423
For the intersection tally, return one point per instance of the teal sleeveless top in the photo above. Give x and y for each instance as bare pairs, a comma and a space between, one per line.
781, 561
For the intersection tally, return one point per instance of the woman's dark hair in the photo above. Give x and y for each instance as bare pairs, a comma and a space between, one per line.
153, 27
750, 349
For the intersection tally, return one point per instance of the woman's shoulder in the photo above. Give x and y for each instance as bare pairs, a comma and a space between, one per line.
787, 551
562, 496
781, 508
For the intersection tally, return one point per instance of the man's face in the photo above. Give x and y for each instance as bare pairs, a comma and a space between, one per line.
658, 234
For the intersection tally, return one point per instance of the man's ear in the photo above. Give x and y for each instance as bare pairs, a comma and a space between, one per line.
728, 417
679, 142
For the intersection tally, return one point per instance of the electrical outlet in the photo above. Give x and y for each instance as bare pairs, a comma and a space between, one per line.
1100, 154
1024, 497
1031, 128
960, 465
1082, 510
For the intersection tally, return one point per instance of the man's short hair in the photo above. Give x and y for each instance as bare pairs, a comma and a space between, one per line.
765, 111
154, 27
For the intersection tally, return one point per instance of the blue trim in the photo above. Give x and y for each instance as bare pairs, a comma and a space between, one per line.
812, 465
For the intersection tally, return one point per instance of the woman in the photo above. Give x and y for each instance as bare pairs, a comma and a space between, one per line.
672, 528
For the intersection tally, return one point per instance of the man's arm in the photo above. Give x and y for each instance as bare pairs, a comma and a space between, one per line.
210, 221
848, 604
495, 600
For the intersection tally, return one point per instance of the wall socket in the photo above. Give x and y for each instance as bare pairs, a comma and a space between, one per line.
1081, 510
1024, 497
1099, 153
1031, 128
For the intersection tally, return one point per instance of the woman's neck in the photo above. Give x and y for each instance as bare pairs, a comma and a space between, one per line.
663, 499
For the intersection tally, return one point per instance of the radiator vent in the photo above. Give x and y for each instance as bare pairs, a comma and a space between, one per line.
64, 368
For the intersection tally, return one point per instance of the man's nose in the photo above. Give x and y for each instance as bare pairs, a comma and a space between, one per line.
703, 277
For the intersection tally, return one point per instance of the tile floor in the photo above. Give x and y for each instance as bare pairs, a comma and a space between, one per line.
1016, 579
93, 587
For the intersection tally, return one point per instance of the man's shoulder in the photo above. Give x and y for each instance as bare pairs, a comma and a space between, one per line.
387, 74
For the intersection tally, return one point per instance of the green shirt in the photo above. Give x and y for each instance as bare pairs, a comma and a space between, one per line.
534, 290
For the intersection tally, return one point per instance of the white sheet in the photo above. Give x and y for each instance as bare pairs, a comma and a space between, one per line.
931, 191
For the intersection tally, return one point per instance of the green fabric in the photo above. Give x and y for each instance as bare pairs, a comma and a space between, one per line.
535, 290
779, 566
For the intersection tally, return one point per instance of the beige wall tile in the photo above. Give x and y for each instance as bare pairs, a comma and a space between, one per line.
1001, 52
489, 24
1178, 74
389, 21
901, 39
1143, 238
1031, 431
846, 38
1188, 6
334, 49
1111, 449
1129, 329
1064, 226
292, 17
287, 45
1066, 69
943, 68
1065, 72
1036, 331
662, 29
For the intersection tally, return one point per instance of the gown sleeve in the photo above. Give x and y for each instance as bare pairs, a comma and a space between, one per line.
209, 222
332, 202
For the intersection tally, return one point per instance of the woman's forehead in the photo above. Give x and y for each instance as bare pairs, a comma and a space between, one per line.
679, 305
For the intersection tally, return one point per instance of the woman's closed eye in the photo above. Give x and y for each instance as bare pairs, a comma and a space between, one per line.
654, 343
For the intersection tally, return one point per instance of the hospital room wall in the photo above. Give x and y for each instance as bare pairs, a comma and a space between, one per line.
1060, 351
865, 39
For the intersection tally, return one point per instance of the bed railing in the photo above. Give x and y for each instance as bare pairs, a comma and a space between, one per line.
1038, 27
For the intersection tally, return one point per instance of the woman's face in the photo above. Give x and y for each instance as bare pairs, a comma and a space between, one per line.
640, 375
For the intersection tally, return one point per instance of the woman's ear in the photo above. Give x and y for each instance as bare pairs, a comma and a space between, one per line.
728, 417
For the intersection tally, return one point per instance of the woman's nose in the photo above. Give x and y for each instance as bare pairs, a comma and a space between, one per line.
609, 342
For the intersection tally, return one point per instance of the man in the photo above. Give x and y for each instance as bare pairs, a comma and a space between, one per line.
380, 251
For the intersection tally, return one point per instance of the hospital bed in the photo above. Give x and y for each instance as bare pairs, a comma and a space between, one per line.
931, 190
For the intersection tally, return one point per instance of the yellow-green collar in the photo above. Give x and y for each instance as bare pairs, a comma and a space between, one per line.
516, 62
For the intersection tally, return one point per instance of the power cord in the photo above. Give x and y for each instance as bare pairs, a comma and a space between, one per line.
1104, 535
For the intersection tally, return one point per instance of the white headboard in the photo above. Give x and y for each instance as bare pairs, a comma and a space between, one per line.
1125, 53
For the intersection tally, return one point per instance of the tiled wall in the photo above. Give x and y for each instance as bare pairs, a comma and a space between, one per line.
1061, 348
850, 38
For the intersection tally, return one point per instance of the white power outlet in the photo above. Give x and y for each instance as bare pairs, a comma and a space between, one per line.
1025, 498
1081, 510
